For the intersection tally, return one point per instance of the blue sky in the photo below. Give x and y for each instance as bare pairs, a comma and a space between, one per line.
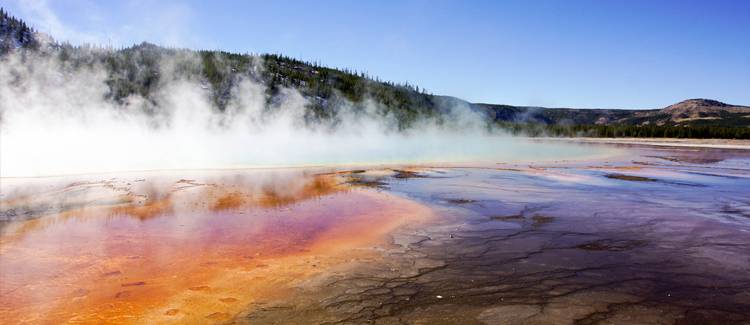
604, 53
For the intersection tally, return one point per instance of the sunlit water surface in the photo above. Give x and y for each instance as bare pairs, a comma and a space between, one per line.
648, 235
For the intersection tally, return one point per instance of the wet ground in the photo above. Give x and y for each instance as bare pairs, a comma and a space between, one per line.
160, 249
648, 236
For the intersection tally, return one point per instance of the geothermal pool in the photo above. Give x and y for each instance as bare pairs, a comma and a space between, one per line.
646, 235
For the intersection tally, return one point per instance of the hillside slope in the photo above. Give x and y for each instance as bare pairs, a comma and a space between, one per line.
14, 34
139, 70
691, 112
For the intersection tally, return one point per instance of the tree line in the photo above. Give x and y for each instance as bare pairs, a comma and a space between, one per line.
627, 131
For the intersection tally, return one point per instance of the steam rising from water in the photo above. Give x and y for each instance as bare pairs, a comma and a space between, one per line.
56, 119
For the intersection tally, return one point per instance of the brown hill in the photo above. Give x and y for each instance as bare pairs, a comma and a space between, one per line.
697, 111
693, 109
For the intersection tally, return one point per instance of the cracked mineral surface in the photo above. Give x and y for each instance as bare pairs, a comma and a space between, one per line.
559, 243
649, 236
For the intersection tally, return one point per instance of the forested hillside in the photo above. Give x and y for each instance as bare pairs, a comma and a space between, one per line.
139, 70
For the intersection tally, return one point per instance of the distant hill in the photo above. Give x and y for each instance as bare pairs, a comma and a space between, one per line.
136, 70
691, 112
703, 112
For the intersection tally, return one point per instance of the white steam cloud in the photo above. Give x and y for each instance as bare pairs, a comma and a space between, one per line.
56, 119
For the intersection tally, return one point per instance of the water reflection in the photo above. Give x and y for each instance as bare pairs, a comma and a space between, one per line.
647, 235
189, 250
628, 239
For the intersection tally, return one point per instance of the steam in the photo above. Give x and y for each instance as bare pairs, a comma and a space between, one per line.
57, 119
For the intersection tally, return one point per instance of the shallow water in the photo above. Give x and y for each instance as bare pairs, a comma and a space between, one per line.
651, 235
136, 251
